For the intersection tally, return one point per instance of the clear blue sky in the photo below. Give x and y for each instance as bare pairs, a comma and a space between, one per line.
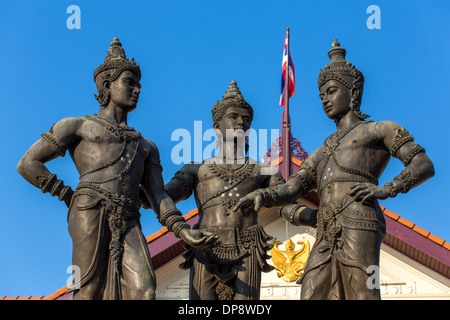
189, 51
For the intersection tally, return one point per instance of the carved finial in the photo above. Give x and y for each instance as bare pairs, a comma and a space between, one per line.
232, 98
336, 53
335, 43
233, 92
115, 50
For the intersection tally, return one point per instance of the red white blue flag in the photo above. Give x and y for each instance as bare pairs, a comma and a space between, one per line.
291, 73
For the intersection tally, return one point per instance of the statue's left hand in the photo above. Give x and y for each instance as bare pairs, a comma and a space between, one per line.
366, 191
198, 238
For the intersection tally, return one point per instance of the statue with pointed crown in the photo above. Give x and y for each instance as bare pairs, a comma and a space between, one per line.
345, 171
119, 170
231, 270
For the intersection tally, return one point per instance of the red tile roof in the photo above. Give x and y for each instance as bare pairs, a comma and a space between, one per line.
23, 298
415, 228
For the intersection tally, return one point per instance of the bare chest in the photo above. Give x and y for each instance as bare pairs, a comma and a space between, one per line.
227, 182
359, 156
219, 189
109, 148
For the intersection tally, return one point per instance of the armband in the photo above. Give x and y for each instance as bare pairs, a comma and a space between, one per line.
412, 153
59, 147
402, 137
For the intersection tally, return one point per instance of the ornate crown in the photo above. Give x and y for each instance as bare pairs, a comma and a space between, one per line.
232, 98
340, 69
116, 59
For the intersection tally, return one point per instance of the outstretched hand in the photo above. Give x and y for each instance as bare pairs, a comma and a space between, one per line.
366, 191
253, 199
198, 239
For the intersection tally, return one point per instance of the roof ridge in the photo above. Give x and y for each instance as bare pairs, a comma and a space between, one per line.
414, 227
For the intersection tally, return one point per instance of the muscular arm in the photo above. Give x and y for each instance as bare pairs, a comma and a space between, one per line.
304, 181
418, 166
298, 185
153, 186
401, 145
54, 143
181, 186
164, 207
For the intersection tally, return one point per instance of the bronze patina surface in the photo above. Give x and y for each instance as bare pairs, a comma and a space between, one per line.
345, 171
117, 167
232, 269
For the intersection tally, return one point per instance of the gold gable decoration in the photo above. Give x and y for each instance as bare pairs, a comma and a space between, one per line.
289, 263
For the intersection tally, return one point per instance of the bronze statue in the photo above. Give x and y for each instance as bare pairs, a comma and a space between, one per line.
345, 170
113, 161
231, 270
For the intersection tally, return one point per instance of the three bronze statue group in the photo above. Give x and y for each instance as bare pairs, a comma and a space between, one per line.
227, 250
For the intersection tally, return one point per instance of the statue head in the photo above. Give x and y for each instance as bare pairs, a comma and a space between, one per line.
232, 113
232, 98
111, 70
344, 75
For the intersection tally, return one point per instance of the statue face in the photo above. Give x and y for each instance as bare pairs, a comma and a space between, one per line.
236, 120
336, 99
125, 90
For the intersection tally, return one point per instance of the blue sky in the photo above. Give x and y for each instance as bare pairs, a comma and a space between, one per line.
189, 51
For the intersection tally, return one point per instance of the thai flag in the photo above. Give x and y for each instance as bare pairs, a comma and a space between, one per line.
291, 73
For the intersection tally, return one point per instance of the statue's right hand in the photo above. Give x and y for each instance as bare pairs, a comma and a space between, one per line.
199, 239
254, 199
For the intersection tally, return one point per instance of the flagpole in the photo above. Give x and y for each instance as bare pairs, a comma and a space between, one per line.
286, 143
286, 139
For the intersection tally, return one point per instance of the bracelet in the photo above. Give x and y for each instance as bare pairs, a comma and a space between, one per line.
391, 188
178, 227
174, 221
167, 214
55, 187
267, 197
47, 183
292, 214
